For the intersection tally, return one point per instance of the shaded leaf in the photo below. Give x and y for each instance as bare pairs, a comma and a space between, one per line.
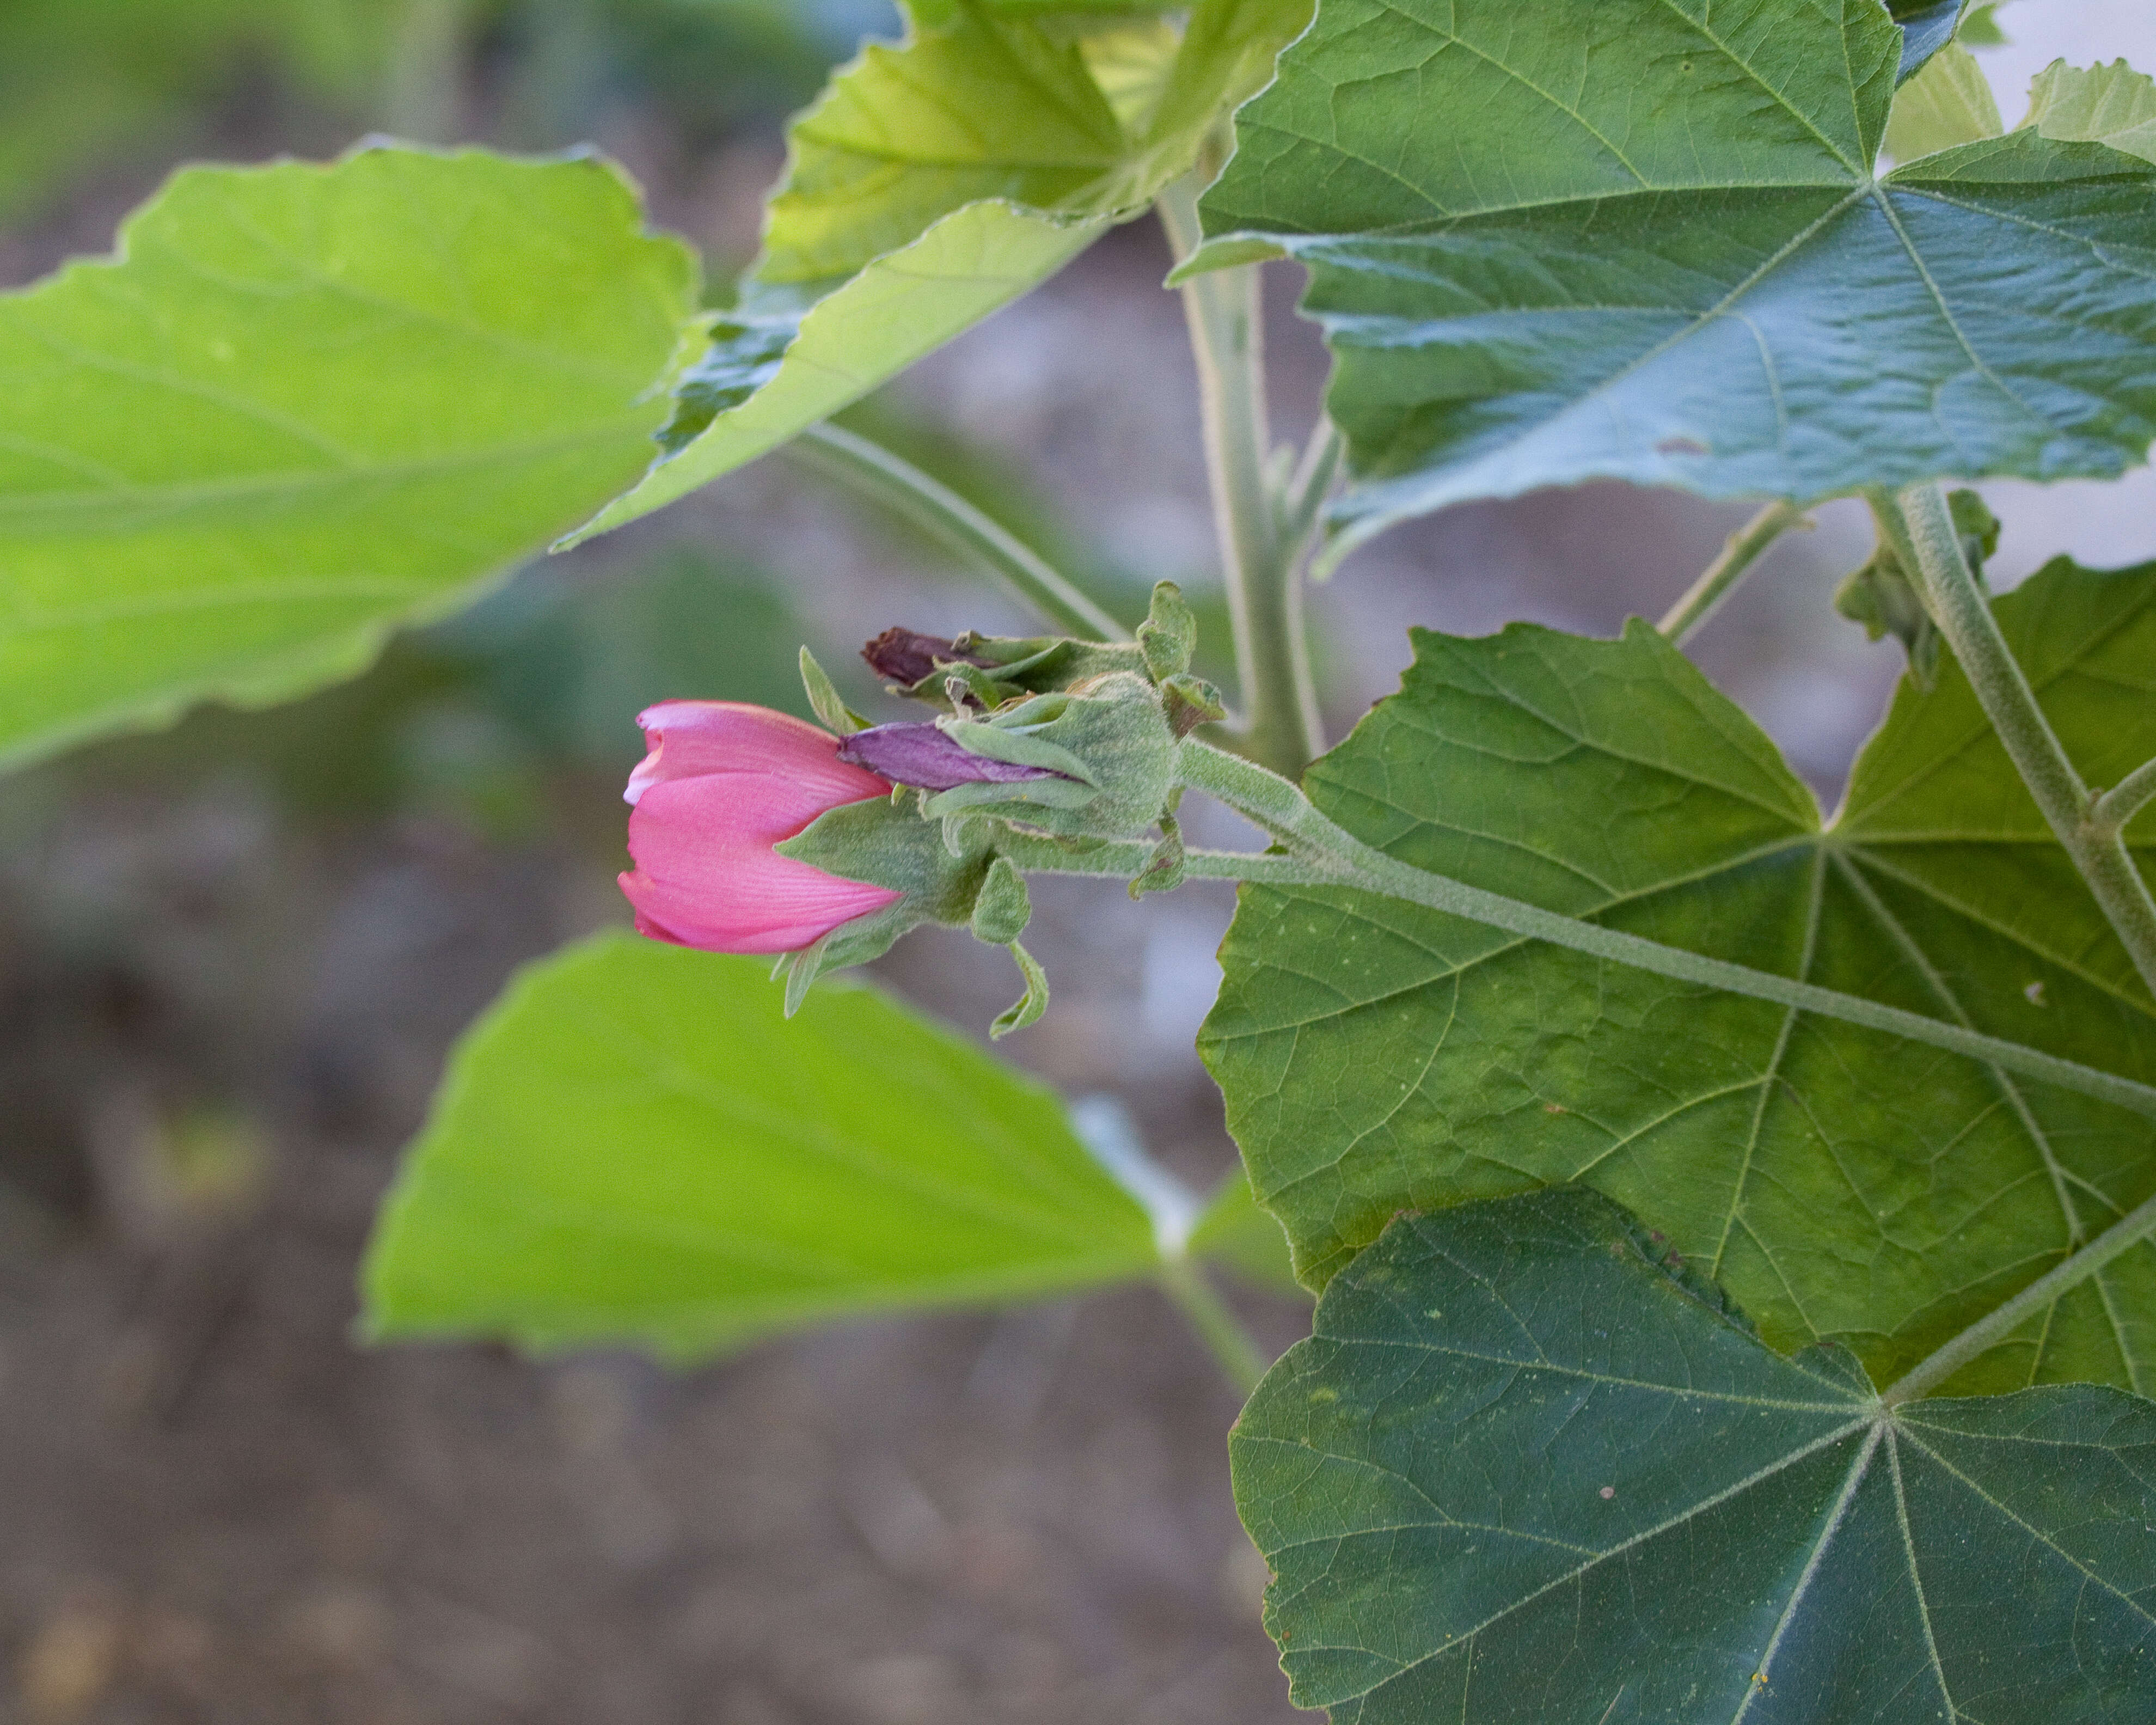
635, 1145
1843, 1184
1554, 244
1927, 26
306, 404
936, 181
1527, 1471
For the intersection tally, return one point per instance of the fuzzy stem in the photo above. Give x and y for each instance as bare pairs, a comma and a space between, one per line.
1704, 597
937, 510
1928, 1374
1920, 527
1264, 571
2118, 805
1216, 1325
1326, 855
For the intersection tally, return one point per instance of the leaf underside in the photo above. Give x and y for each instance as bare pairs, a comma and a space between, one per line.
1526, 1472
303, 405
1844, 1185
933, 184
1630, 239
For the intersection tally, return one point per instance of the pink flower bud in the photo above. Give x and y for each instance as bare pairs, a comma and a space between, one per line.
721, 784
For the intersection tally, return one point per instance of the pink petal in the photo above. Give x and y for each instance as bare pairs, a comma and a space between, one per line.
688, 738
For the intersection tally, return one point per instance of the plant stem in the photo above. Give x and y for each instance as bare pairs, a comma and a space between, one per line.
1216, 1324
1264, 571
1704, 597
2118, 805
1922, 531
2121, 1237
941, 512
422, 96
1328, 856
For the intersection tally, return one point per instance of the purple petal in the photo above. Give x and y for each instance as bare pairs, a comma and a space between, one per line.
921, 755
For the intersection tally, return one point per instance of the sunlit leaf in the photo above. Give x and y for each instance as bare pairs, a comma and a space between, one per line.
2112, 105
1949, 103
635, 1145
1529, 1471
936, 181
1634, 241
306, 404
1843, 1184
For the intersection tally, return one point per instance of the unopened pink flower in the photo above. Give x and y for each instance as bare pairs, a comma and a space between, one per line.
721, 783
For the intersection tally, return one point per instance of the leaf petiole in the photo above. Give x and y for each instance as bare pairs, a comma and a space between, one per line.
1921, 528
940, 511
2110, 813
1324, 854
2123, 1235
1720, 579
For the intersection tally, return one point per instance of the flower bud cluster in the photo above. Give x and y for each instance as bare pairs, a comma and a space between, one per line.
754, 832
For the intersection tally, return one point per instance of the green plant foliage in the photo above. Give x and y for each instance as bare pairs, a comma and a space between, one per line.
1949, 103
1547, 246
306, 404
2112, 105
1843, 1184
1927, 26
1528, 1471
635, 1145
933, 184
1234, 1231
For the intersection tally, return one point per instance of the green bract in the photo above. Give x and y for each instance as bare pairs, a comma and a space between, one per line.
1646, 239
935, 182
1527, 1471
1843, 1184
305, 404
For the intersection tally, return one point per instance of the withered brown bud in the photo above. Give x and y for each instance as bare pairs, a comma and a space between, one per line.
904, 656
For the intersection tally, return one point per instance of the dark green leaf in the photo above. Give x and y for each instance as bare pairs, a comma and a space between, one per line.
1927, 27
634, 1146
1527, 1472
1845, 1185
1630, 241
304, 405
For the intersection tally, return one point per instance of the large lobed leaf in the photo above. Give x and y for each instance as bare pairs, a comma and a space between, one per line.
1844, 1184
1527, 1472
1643, 239
935, 182
302, 405
636, 1147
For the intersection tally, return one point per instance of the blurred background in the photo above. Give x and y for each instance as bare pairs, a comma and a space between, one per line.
234, 954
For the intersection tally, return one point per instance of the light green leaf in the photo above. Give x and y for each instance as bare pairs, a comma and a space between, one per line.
1528, 1472
934, 182
1843, 1184
1949, 103
304, 405
634, 1146
2112, 105
1549, 245
1234, 1231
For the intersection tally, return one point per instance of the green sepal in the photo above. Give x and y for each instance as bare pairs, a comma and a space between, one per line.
1030, 1005
1110, 739
1003, 907
1191, 701
1169, 634
1010, 667
1882, 598
1163, 871
885, 842
824, 700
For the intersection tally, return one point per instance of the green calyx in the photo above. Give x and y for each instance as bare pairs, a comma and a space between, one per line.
1107, 743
